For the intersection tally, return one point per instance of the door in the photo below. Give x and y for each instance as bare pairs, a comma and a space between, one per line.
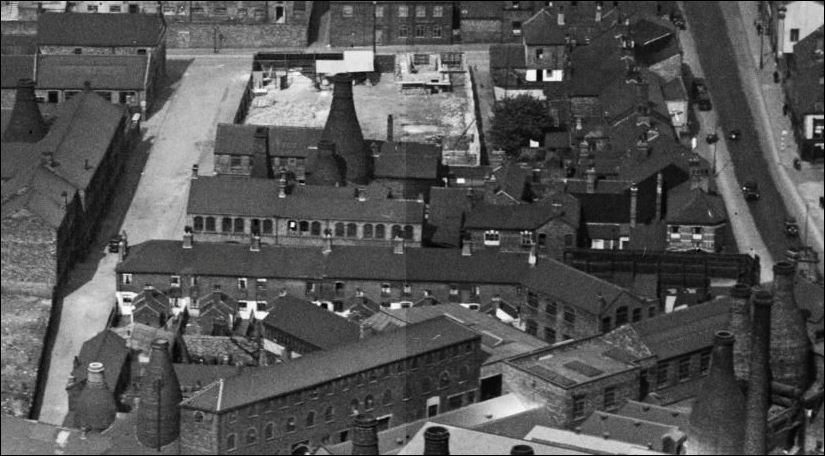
490, 387
379, 37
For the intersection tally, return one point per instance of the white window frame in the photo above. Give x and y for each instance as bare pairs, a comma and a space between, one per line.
242, 283
531, 75
126, 279
174, 281
492, 238
527, 238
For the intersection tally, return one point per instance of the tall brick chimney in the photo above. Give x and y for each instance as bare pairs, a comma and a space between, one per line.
188, 238
758, 402
560, 16
389, 128
659, 187
590, 176
342, 128
261, 166
436, 441
634, 202
26, 124
716, 425
158, 421
364, 435
740, 326
789, 335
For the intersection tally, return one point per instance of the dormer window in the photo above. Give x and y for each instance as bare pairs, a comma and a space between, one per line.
492, 238
385, 289
407, 289
242, 283
527, 238
174, 281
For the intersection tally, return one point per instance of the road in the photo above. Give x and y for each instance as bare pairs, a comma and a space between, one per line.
718, 58
182, 133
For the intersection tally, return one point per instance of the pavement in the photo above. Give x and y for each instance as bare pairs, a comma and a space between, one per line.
747, 236
182, 133
802, 188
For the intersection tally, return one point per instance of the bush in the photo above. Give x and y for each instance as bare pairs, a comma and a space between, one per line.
517, 120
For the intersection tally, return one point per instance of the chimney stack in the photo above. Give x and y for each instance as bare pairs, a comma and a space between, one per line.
716, 425
255, 243
436, 441
158, 421
561, 15
323, 168
96, 406
342, 128
282, 185
398, 245
740, 326
195, 171
26, 124
532, 259
122, 247
598, 11
659, 185
261, 166
590, 175
467, 247
389, 128
634, 202
188, 237
364, 435
642, 148
698, 176
522, 450
327, 249
758, 402
789, 333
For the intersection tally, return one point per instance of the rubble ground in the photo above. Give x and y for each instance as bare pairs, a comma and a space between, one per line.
416, 117
24, 320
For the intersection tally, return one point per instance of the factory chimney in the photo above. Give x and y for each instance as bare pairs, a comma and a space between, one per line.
342, 128
789, 335
26, 124
756, 417
740, 326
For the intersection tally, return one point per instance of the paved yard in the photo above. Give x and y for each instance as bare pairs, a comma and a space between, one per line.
181, 134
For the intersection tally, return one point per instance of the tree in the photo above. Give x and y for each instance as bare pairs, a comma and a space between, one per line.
517, 120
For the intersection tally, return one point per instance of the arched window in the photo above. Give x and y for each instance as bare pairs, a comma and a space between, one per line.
239, 225
353, 406
251, 436
409, 233
226, 224
367, 230
463, 374
310, 419
315, 229
269, 431
621, 316
444, 380
199, 417
304, 226
426, 385
387, 397
292, 226
369, 402
396, 231
267, 226
231, 444
339, 229
198, 225
352, 230
290, 424
255, 227
329, 414
380, 231
210, 223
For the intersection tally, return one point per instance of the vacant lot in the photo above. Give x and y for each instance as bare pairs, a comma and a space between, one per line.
24, 320
417, 117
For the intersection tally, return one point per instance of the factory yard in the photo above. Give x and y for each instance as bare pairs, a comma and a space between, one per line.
418, 117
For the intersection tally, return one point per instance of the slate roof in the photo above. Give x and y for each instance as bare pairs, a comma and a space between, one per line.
694, 207
254, 197
591, 444
225, 303
447, 208
543, 29
103, 72
656, 413
233, 139
18, 45
105, 347
191, 375
521, 216
507, 56
344, 262
293, 141
240, 350
684, 331
311, 324
99, 30
408, 160
323, 366
520, 424
806, 94
625, 429
469, 442
14, 68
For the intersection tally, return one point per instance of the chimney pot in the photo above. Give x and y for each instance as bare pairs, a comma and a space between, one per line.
255, 244
398, 245
327, 249
590, 175
522, 450
467, 247
195, 168
95, 373
758, 399
188, 238
436, 441
364, 435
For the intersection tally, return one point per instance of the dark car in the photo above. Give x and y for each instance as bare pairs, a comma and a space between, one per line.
791, 227
114, 243
750, 190
735, 134
701, 94
678, 20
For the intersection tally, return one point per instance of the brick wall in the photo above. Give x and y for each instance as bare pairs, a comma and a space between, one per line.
201, 35
199, 437
356, 30
584, 323
711, 239
223, 165
556, 239
481, 31
94, 50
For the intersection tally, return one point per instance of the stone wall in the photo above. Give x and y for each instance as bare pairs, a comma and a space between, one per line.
200, 35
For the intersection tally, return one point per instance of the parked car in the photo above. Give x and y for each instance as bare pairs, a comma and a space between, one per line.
701, 94
750, 190
678, 20
735, 134
791, 227
114, 243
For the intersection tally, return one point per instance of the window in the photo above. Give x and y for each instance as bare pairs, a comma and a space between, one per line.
517, 28
568, 240
420, 11
329, 414
198, 223
230, 442
704, 362
403, 11
353, 406
609, 397
794, 35
402, 31
260, 284
527, 238
385, 289
407, 290
290, 424
531, 327
92, 8
233, 417
662, 374
242, 283
347, 10
539, 53
303, 227
637, 314
251, 436
174, 281
552, 310
238, 226
409, 232
226, 224
198, 417
606, 322
379, 231
269, 431
77, 51
444, 380
578, 406
369, 403
438, 11
339, 229
550, 335
53, 96
379, 11
426, 385
621, 315
492, 238
420, 31
569, 316
533, 300
267, 226
310, 421
352, 230
684, 368
126, 279
437, 31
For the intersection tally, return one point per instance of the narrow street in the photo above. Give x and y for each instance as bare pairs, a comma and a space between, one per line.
181, 133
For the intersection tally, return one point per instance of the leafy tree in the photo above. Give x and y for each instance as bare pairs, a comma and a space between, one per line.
517, 120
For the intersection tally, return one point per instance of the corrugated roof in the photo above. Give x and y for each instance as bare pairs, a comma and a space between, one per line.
695, 207
518, 217
14, 68
293, 141
323, 366
227, 195
656, 413
103, 72
79, 29
311, 324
